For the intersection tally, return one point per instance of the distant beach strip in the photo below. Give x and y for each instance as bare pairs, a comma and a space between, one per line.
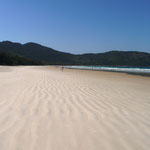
145, 71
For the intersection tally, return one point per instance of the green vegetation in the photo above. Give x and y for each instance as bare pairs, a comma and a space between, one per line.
32, 53
9, 59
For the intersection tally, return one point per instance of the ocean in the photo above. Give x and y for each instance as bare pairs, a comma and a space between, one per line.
133, 70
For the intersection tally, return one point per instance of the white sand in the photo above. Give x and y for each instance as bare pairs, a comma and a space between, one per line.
42, 108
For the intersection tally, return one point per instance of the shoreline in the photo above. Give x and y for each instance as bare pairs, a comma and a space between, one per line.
125, 72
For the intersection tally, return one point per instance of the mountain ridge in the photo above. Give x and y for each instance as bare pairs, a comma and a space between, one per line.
49, 56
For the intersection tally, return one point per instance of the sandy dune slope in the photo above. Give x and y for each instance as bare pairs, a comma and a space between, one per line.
43, 108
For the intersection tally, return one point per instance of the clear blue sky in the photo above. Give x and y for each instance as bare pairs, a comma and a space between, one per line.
78, 26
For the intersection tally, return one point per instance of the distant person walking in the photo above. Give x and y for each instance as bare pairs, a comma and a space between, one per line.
62, 68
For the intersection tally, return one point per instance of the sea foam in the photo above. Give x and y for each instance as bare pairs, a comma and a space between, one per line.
141, 70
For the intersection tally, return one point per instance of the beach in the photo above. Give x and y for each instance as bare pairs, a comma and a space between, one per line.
45, 108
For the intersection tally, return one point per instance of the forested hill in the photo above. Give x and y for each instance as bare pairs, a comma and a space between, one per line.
38, 54
9, 59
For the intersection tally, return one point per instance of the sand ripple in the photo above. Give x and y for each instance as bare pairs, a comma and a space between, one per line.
42, 108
